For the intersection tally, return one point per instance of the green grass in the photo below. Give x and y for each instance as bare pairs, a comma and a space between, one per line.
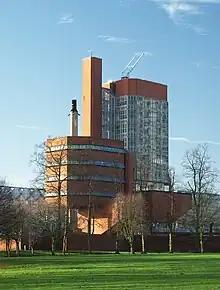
153, 271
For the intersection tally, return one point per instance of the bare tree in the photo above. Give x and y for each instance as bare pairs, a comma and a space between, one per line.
19, 217
129, 222
141, 189
42, 222
14, 215
143, 218
90, 208
132, 210
35, 222
117, 207
66, 229
89, 219
49, 210
50, 160
6, 210
5, 205
201, 178
15, 230
171, 204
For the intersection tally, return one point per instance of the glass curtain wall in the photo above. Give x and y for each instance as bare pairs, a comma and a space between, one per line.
142, 124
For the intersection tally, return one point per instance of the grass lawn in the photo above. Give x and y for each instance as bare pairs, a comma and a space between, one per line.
153, 271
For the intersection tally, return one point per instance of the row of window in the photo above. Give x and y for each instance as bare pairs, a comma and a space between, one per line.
95, 193
88, 162
88, 147
83, 177
92, 193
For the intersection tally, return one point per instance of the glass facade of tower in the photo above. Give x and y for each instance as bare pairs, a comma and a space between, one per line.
108, 115
142, 123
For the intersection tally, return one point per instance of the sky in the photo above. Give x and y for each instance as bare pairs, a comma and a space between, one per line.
42, 43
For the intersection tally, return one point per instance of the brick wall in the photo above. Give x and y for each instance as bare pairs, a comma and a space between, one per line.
154, 244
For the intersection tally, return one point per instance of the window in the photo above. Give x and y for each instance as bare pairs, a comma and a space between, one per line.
87, 162
88, 147
97, 178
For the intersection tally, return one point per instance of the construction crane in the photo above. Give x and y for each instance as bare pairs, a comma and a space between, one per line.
131, 65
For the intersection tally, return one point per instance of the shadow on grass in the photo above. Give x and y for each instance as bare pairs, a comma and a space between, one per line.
75, 260
100, 280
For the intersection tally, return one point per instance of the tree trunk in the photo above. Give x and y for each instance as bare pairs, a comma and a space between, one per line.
58, 242
170, 242
17, 248
8, 247
201, 242
29, 241
198, 245
131, 246
65, 235
93, 225
32, 250
53, 246
117, 244
64, 243
132, 249
170, 224
89, 225
198, 248
142, 243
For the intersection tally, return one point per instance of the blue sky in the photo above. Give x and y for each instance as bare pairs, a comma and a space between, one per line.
42, 43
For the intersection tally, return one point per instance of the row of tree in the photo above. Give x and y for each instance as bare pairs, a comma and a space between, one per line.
33, 219
25, 221
28, 221
199, 179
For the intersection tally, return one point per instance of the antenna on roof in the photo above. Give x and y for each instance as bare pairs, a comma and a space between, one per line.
131, 65
90, 53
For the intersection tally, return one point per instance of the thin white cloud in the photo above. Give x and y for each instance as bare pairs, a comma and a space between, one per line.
29, 127
183, 139
181, 11
127, 3
199, 64
115, 39
198, 30
174, 8
66, 19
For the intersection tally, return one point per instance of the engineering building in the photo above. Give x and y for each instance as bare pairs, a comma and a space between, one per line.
124, 138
